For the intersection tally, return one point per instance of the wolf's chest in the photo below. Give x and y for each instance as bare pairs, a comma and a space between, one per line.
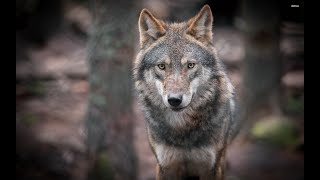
168, 155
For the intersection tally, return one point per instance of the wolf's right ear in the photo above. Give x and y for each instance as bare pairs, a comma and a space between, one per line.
200, 26
150, 28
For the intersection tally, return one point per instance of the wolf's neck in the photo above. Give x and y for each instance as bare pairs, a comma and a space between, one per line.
183, 129
184, 119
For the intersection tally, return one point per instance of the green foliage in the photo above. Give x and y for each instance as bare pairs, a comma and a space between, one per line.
29, 119
102, 169
275, 131
35, 88
295, 105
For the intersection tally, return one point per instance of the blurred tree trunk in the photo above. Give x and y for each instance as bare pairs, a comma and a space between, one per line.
109, 121
262, 64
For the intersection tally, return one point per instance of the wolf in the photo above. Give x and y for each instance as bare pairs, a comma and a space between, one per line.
186, 96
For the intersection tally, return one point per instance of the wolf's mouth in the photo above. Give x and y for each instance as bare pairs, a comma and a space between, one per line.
177, 109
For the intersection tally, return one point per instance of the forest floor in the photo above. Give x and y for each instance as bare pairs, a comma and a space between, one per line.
51, 101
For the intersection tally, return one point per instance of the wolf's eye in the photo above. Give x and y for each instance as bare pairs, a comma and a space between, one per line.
191, 65
161, 66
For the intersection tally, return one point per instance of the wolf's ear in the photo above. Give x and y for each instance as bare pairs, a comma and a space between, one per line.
150, 28
200, 26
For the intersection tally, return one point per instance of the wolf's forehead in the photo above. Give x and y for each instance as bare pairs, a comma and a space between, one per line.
167, 52
175, 52
176, 29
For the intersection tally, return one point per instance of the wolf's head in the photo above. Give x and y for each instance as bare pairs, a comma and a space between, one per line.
176, 60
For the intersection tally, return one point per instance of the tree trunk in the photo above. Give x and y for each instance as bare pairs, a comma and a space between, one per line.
109, 123
262, 64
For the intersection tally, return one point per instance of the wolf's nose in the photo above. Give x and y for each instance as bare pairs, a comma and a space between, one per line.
175, 100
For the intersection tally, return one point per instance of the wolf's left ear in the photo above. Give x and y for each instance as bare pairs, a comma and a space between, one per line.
200, 26
150, 28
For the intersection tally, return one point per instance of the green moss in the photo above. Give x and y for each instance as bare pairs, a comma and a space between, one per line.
295, 105
36, 88
29, 119
102, 168
94, 79
98, 100
275, 131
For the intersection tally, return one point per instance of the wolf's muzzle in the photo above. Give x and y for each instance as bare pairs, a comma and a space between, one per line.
174, 100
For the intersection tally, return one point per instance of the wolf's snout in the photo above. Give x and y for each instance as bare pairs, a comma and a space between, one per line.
174, 100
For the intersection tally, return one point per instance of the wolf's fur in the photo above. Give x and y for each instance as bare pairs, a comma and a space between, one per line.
179, 60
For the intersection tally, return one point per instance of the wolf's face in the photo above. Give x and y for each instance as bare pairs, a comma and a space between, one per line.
175, 59
176, 80
177, 70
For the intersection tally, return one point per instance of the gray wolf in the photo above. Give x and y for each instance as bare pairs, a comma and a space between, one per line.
186, 96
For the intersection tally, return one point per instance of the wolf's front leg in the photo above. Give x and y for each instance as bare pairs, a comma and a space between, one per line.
220, 165
168, 173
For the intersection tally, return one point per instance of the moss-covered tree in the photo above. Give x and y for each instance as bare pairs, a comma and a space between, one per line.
109, 121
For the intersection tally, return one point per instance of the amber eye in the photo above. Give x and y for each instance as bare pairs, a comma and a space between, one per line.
191, 65
161, 66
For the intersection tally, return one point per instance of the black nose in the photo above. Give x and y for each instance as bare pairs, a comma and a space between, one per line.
175, 100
